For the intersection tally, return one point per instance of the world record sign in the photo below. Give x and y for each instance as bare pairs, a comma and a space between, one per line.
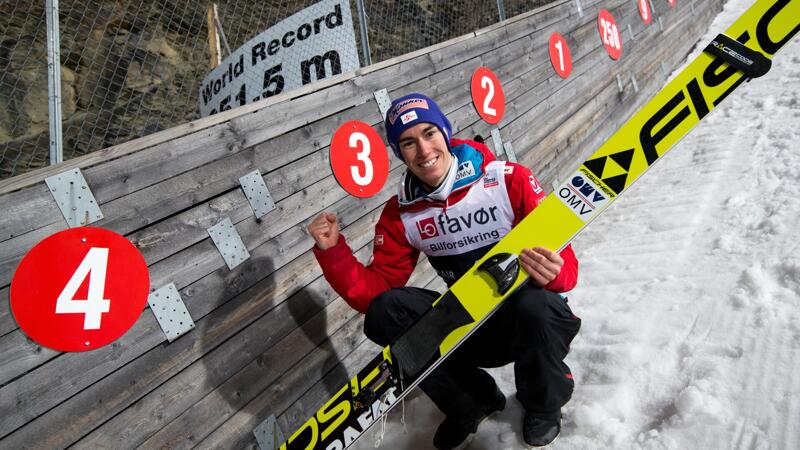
313, 44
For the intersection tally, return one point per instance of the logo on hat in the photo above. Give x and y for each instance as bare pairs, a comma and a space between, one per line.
408, 117
404, 106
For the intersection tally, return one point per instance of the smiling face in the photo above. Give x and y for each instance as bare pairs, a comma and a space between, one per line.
426, 154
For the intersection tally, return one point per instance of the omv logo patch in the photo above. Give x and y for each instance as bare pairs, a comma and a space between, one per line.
582, 196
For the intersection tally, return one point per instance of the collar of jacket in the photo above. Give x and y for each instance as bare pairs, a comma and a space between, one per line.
469, 162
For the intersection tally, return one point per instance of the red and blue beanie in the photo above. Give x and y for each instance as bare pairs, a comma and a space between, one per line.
411, 110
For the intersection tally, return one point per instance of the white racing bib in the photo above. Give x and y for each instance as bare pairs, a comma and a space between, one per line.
479, 219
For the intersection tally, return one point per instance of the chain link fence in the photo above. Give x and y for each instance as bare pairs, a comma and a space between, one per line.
130, 68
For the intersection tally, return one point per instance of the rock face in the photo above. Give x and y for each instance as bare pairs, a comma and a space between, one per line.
132, 67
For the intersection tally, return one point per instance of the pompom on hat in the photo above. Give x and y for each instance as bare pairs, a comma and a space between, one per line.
410, 110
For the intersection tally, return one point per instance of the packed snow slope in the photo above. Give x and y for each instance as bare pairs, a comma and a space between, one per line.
689, 293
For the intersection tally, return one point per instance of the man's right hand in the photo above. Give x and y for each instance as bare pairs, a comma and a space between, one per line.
325, 230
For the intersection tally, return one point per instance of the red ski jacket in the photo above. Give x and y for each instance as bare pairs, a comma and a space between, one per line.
488, 198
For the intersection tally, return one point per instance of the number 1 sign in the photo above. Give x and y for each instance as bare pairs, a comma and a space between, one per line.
560, 57
79, 289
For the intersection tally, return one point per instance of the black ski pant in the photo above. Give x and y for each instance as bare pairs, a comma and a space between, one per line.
533, 329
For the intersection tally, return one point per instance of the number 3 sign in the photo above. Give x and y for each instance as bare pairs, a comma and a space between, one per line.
487, 95
359, 159
79, 289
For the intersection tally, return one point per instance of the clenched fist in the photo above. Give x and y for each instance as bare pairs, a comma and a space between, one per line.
325, 230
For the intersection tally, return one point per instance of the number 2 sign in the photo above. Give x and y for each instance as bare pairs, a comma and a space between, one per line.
487, 95
79, 289
359, 159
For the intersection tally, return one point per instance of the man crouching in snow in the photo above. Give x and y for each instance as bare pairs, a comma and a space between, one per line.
454, 203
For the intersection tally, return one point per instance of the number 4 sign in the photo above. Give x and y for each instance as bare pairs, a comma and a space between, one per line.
79, 289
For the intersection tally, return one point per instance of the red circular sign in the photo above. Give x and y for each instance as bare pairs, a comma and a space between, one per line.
79, 289
359, 159
560, 57
609, 34
487, 95
644, 11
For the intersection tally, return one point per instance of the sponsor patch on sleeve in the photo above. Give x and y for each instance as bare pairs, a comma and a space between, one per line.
537, 188
378, 239
508, 170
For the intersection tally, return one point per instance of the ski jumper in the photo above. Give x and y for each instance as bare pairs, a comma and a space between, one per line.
533, 328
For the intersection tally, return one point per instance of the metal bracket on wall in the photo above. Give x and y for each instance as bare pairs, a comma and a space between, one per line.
268, 434
257, 193
498, 142
634, 83
620, 85
170, 311
630, 31
510, 155
384, 102
229, 243
664, 69
660, 24
74, 198
580, 8
501, 147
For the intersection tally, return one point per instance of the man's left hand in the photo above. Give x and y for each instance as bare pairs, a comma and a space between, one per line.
541, 264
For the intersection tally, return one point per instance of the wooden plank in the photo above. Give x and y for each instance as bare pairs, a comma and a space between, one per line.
18, 354
142, 206
190, 427
113, 394
200, 298
279, 119
203, 231
215, 287
253, 344
138, 201
201, 176
7, 323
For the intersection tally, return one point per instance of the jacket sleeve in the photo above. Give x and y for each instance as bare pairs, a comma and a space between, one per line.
525, 193
393, 260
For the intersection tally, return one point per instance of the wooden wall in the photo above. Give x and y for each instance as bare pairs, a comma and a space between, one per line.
271, 337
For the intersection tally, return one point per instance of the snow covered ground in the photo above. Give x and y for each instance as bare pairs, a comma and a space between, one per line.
689, 294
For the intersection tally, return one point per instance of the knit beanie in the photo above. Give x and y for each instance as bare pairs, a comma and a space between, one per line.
410, 110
